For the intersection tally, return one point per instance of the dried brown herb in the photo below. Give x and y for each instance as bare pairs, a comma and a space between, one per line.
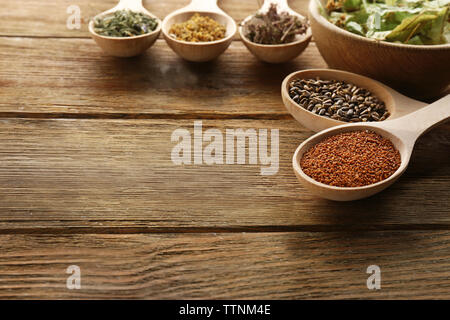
274, 27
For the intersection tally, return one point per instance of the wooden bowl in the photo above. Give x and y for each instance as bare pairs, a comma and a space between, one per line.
419, 71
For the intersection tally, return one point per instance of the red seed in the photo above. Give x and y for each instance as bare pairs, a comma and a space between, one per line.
351, 159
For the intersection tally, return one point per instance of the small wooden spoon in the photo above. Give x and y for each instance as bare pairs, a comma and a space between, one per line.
403, 132
199, 51
397, 104
278, 53
126, 46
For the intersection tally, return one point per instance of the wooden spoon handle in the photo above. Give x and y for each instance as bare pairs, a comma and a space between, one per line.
133, 5
282, 5
413, 125
203, 5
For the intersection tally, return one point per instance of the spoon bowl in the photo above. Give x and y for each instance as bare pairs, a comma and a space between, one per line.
125, 47
278, 53
397, 104
403, 132
199, 51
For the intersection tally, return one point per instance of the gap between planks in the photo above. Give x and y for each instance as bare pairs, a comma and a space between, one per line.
230, 229
143, 116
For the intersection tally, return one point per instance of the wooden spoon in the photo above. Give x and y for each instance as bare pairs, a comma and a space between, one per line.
199, 51
126, 46
403, 132
397, 104
280, 52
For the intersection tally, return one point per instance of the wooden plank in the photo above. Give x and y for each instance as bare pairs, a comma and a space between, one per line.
117, 176
72, 78
414, 265
49, 18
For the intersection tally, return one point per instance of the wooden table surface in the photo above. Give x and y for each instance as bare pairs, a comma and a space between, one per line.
86, 179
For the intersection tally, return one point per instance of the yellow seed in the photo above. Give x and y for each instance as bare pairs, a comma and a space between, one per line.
198, 29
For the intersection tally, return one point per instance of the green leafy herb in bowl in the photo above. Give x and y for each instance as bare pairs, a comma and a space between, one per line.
417, 22
125, 23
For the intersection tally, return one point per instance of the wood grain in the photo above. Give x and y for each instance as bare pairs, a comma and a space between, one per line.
72, 78
86, 178
414, 265
100, 174
49, 18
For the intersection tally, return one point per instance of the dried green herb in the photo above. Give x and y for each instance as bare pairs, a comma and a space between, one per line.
274, 27
125, 23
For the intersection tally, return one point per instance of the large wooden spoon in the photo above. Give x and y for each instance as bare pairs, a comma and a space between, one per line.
397, 104
403, 132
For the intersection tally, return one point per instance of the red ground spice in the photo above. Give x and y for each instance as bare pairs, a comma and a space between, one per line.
351, 159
